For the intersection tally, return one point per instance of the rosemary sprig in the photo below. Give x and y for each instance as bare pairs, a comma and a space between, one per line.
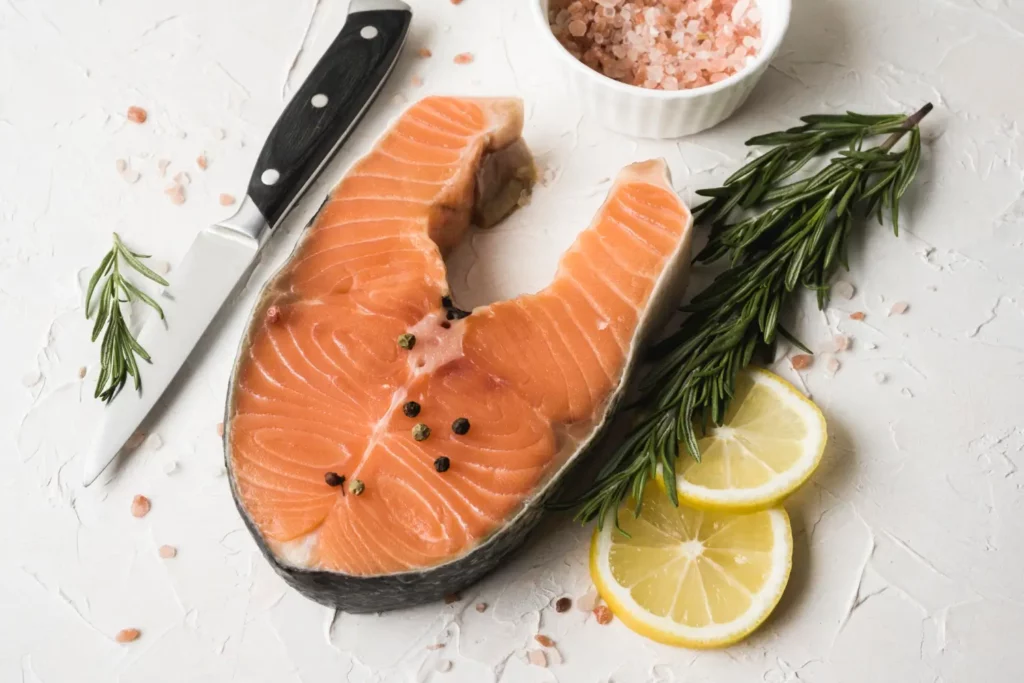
119, 347
777, 233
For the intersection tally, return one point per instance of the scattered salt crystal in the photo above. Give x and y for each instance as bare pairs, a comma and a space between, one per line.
537, 658
481, 607
841, 342
137, 114
399, 99
844, 289
121, 165
444, 665
832, 366
167, 551
435, 646
872, 346
554, 657
82, 372
857, 315
131, 176
416, 81
202, 162
464, 58
907, 392
218, 471
544, 640
801, 361
881, 377
161, 267
154, 442
588, 601
140, 506
226, 199
176, 193
31, 378
425, 52
220, 429
127, 635
603, 614
219, 134
183, 178
899, 308
161, 166
170, 467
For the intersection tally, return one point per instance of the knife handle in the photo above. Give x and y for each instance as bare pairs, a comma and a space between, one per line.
328, 105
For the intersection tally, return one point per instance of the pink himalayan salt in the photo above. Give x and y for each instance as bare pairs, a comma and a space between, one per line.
140, 506
537, 658
127, 635
899, 308
660, 44
176, 193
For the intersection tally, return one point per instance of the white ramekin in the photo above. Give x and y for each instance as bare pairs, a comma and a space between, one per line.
644, 113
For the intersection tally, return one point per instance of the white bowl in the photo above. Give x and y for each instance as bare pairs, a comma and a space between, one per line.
645, 113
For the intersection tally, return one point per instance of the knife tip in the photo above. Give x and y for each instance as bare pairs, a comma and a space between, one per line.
92, 472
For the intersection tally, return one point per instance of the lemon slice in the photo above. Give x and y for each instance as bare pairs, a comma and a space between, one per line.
771, 441
692, 578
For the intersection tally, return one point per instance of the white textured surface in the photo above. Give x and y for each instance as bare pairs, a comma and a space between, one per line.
909, 541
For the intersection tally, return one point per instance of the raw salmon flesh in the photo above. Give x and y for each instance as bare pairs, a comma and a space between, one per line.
386, 448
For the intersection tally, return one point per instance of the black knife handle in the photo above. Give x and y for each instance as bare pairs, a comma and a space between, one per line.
328, 105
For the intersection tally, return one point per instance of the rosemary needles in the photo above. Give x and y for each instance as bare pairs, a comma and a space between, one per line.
777, 233
119, 348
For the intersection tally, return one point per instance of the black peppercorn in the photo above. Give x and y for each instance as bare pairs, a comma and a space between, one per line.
460, 426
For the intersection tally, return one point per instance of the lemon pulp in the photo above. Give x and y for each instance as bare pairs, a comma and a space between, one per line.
690, 577
771, 441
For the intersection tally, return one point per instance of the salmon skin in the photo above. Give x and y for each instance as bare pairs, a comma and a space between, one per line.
386, 448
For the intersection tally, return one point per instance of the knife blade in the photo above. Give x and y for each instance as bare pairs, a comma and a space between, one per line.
317, 121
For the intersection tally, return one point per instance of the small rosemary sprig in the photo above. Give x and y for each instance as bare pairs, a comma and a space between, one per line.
119, 347
777, 235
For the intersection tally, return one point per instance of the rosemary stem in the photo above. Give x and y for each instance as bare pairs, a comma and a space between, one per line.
908, 124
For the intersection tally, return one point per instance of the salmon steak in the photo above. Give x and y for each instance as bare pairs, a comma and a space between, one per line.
386, 448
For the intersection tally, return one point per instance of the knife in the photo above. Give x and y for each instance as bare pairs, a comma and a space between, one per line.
316, 122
